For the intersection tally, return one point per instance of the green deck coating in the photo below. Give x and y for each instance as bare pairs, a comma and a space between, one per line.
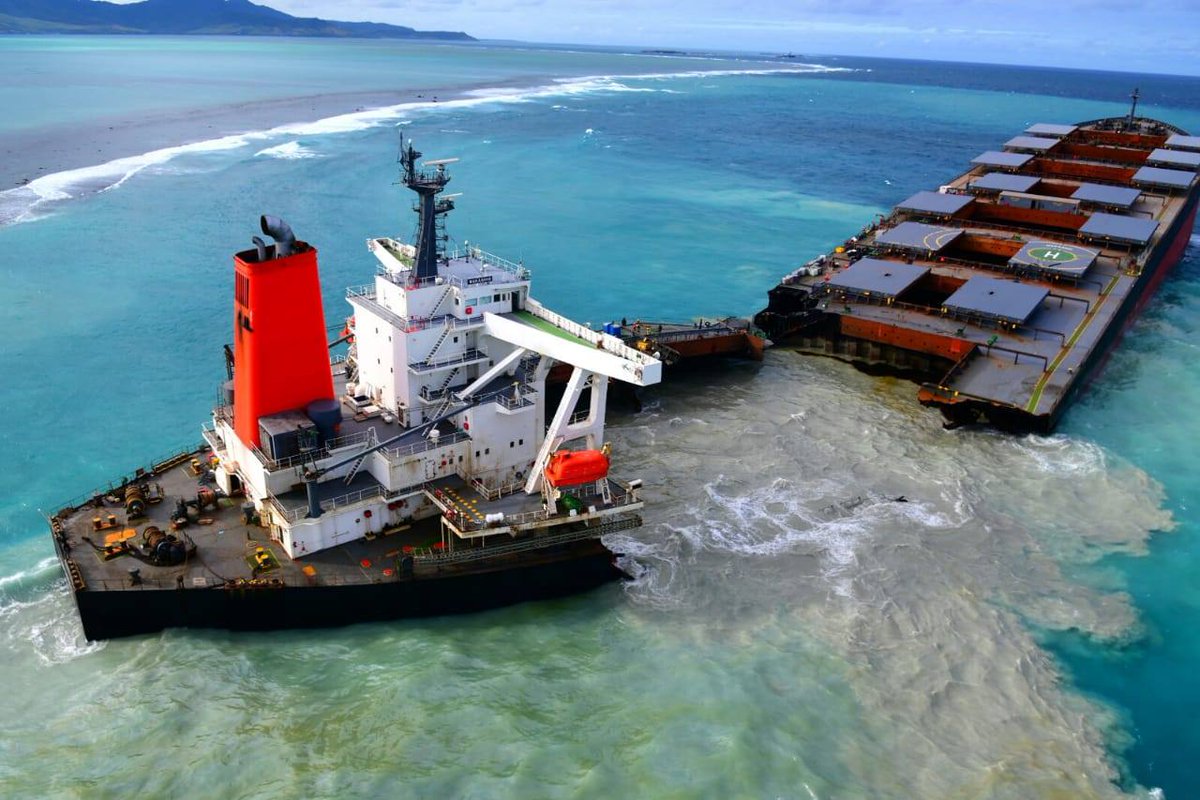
542, 325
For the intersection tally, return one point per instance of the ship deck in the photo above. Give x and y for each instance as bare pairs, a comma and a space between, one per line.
226, 545
1016, 366
1011, 281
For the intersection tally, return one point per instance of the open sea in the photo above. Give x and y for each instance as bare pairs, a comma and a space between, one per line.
1025, 627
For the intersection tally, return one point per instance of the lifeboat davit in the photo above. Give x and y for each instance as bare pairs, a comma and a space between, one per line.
573, 467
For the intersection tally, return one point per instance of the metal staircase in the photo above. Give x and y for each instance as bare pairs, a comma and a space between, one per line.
444, 406
371, 441
433, 311
445, 332
446, 383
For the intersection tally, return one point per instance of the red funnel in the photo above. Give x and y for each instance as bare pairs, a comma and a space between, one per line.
280, 356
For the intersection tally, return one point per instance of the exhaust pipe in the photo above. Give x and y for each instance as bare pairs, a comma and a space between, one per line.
281, 232
262, 248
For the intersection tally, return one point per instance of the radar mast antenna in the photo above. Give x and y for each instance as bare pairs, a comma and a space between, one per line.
427, 184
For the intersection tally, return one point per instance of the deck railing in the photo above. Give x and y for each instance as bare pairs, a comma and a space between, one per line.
330, 504
174, 456
535, 542
423, 444
618, 497
404, 277
466, 357
611, 343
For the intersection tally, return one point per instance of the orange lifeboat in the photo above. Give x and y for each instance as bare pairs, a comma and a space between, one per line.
573, 467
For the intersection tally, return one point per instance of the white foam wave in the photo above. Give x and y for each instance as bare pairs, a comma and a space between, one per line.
780, 518
25, 203
22, 202
49, 627
38, 615
288, 150
60, 639
1062, 456
29, 588
44, 566
653, 568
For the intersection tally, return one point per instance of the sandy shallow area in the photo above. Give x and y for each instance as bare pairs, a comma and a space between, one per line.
33, 154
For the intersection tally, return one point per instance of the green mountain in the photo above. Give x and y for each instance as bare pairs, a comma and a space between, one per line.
224, 17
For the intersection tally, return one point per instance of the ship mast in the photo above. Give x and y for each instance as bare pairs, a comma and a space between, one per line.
427, 184
1133, 108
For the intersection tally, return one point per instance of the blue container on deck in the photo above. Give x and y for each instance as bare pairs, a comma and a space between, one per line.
612, 328
326, 415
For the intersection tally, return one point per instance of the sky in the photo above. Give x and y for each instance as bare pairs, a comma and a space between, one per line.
1124, 35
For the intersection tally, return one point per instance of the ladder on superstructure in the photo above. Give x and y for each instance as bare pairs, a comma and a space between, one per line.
372, 440
436, 345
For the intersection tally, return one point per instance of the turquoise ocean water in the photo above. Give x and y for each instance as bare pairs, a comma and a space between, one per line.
1025, 627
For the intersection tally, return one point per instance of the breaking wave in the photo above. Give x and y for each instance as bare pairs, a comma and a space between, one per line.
23, 579
288, 151
31, 201
37, 615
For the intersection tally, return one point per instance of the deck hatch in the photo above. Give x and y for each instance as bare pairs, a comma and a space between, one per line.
1054, 258
1156, 176
1050, 129
935, 203
996, 299
1181, 142
1117, 228
875, 276
1004, 182
1032, 144
1111, 196
1174, 158
918, 236
995, 158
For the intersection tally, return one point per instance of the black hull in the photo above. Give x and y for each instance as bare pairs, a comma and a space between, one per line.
111, 614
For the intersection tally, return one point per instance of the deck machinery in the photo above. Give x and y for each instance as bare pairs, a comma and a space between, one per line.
1004, 291
416, 475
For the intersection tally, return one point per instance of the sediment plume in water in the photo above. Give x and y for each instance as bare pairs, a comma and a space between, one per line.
813, 502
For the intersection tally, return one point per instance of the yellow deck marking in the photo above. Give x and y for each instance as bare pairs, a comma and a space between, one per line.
464, 507
1054, 365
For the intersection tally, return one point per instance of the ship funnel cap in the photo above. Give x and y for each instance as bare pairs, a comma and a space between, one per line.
281, 232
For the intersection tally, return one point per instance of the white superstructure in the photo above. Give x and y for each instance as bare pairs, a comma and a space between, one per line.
471, 347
